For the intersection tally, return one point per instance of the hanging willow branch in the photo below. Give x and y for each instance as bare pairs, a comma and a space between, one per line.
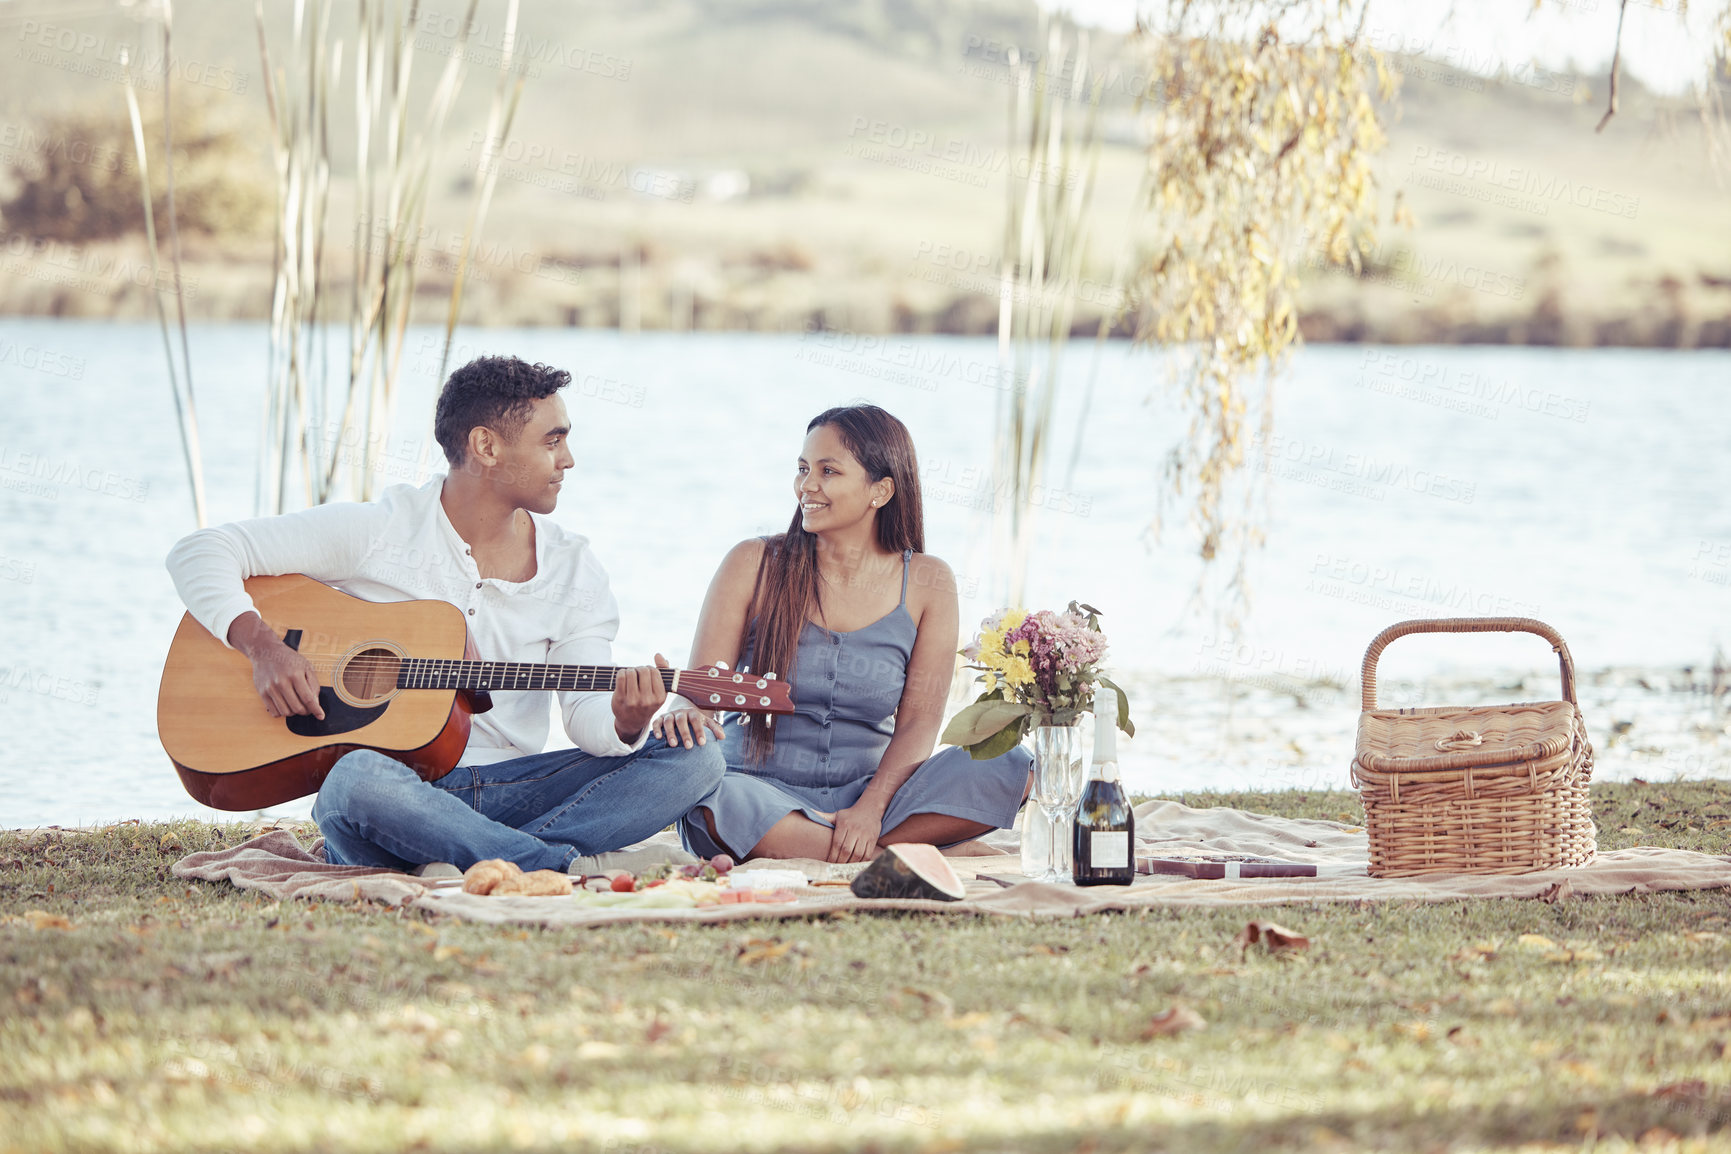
1262, 128
1616, 66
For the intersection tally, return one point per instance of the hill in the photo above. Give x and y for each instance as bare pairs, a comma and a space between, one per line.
772, 164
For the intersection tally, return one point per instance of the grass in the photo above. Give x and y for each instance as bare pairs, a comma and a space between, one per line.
197, 1017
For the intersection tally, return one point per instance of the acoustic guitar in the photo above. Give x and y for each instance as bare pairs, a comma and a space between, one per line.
398, 677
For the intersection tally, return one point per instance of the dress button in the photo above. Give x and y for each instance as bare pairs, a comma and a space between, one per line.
832, 676
471, 613
477, 584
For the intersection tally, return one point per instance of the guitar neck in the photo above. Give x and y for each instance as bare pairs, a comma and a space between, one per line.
494, 676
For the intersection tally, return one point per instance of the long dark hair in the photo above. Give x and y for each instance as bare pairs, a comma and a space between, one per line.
789, 587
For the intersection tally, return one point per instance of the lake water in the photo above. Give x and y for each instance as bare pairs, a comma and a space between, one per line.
1586, 488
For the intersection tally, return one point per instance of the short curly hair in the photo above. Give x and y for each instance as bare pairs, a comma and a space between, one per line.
493, 391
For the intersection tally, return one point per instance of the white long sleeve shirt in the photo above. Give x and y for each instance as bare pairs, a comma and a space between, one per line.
403, 547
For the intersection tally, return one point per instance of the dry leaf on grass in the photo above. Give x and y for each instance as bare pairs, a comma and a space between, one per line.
1692, 1088
934, 1002
1575, 954
757, 950
1536, 942
43, 920
1175, 1019
1275, 937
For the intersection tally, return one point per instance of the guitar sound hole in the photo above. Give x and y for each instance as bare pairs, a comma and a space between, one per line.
371, 675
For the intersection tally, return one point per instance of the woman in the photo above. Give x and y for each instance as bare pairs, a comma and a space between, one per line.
847, 607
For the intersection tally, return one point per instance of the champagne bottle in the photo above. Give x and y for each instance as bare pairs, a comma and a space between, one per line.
1105, 837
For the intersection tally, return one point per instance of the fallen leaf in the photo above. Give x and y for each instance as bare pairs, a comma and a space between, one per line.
440, 953
1557, 891
758, 950
43, 920
1175, 1019
592, 1050
969, 1021
1276, 937
535, 1056
1657, 1136
1692, 1088
658, 1029
933, 1001
1536, 942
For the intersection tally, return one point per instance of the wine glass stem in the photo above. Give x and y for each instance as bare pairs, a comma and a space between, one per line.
1061, 849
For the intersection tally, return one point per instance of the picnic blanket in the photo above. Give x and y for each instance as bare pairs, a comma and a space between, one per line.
276, 864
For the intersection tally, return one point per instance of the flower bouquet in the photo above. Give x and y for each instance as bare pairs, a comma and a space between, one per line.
1038, 668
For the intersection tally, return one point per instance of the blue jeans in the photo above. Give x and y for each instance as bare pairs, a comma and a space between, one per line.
538, 811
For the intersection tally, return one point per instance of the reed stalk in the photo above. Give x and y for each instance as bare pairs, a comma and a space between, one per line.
185, 405
309, 418
500, 116
1049, 185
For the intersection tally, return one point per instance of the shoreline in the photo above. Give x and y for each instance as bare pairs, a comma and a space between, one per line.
752, 292
1281, 734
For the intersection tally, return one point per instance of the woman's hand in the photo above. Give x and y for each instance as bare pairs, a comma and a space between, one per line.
856, 831
685, 726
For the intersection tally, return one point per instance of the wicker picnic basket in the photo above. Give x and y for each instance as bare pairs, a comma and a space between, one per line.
1487, 789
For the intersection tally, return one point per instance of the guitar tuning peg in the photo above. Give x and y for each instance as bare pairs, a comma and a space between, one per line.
769, 676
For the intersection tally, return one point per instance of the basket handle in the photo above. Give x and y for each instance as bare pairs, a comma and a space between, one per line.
1467, 625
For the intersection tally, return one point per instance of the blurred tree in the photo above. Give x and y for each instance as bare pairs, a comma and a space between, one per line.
77, 177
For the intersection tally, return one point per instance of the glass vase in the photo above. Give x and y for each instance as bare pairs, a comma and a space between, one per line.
1057, 789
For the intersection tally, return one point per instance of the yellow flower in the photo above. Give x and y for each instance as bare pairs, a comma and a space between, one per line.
991, 681
1018, 672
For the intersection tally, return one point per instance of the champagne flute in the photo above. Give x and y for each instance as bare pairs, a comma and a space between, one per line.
1057, 788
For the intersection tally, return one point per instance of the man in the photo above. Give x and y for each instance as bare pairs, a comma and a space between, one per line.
478, 537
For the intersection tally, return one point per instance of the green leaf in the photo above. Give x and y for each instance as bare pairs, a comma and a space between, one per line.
981, 720
1124, 722
1000, 742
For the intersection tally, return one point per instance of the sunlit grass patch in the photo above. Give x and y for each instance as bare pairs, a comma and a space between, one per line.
141, 1012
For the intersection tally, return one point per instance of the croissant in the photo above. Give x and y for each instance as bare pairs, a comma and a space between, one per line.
541, 883
501, 878
485, 877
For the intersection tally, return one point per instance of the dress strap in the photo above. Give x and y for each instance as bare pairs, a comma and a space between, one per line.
907, 558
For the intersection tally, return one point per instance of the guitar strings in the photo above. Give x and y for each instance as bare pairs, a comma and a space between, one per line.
423, 667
